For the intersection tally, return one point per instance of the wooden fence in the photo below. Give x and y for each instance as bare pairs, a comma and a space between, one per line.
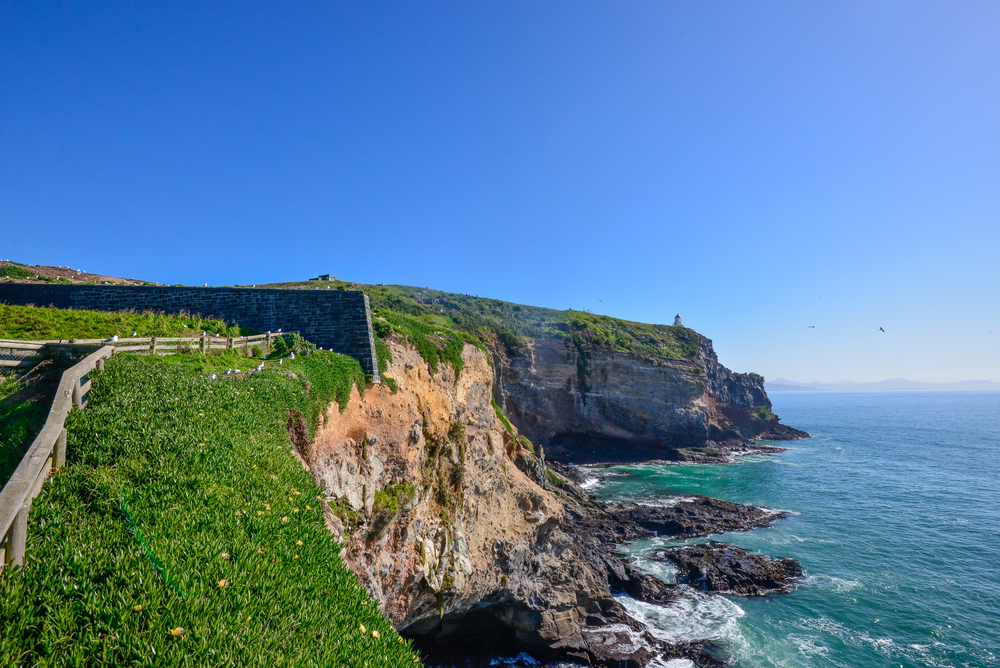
22, 354
48, 450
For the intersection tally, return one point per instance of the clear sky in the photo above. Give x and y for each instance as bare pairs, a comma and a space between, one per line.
757, 167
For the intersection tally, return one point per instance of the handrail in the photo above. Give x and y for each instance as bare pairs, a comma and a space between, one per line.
153, 344
47, 452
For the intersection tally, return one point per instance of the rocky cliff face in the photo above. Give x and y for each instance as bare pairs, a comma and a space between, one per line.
472, 545
442, 526
600, 405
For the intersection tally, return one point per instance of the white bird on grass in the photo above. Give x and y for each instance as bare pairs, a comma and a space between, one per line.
292, 356
113, 339
213, 376
280, 362
134, 334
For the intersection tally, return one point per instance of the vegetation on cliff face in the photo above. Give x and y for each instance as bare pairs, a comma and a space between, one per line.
185, 532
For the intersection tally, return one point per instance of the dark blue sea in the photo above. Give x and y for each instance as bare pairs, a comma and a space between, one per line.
894, 514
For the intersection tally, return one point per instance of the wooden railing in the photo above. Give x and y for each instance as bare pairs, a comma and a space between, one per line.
21, 354
47, 452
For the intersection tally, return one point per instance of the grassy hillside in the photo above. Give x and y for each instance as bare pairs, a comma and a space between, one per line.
510, 322
184, 532
43, 323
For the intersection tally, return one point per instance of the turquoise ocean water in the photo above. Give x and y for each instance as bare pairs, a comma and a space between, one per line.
895, 508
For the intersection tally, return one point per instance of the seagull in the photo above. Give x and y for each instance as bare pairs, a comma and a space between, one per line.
184, 326
237, 371
292, 356
213, 376
882, 330
113, 339
811, 327
280, 362
134, 334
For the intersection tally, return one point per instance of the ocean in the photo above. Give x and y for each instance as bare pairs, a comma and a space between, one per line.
894, 514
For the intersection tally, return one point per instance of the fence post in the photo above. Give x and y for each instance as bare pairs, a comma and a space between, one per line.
17, 537
203, 345
59, 453
77, 395
100, 364
152, 346
229, 342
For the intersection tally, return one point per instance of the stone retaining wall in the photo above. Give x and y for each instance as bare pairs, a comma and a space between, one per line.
338, 320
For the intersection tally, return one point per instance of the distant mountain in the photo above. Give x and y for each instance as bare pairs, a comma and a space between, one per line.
893, 384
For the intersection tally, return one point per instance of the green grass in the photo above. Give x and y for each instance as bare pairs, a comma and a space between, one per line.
178, 483
20, 421
45, 323
478, 316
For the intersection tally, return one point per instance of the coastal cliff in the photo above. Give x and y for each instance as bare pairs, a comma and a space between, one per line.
472, 545
589, 403
439, 522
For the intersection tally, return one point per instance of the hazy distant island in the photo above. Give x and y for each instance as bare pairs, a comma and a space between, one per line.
890, 385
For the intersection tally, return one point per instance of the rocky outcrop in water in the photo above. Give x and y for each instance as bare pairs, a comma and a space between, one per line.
591, 405
727, 569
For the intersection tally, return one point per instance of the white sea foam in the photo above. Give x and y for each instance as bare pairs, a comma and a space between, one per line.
809, 645
665, 501
696, 616
838, 585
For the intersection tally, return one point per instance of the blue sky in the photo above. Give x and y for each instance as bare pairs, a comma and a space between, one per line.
757, 167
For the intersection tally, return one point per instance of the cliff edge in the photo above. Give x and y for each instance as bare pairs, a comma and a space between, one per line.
589, 403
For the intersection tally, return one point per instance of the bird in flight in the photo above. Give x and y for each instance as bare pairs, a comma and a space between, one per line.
882, 330
811, 327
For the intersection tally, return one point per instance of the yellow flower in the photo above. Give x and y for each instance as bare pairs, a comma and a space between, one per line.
224, 555
284, 519
223, 583
363, 629
295, 557
308, 507
176, 632
137, 608
259, 513
375, 634
289, 498
298, 542
295, 510
254, 466
267, 506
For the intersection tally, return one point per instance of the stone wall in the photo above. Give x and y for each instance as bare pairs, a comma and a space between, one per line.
338, 320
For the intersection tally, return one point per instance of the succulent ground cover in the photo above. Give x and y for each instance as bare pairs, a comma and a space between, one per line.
184, 532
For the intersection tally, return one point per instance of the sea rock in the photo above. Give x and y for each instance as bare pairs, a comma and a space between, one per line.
727, 569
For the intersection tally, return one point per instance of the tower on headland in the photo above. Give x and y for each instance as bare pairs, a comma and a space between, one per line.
677, 321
